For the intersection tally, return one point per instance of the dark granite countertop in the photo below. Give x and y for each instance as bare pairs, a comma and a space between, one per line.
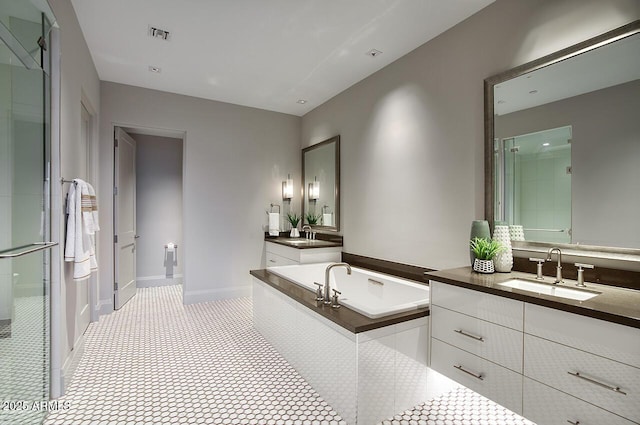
614, 304
348, 319
302, 243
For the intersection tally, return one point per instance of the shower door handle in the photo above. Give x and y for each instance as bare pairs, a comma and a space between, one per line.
27, 249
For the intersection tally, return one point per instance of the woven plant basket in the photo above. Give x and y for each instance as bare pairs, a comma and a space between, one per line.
483, 266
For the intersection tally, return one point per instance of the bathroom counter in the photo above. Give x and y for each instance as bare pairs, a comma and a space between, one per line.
614, 304
348, 319
302, 243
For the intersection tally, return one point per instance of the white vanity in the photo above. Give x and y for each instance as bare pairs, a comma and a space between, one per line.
523, 351
290, 251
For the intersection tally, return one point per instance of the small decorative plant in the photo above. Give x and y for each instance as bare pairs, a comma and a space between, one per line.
484, 250
312, 218
294, 219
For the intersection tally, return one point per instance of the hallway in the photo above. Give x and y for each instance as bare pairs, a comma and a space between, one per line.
157, 361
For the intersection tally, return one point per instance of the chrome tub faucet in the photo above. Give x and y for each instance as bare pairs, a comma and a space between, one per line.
327, 288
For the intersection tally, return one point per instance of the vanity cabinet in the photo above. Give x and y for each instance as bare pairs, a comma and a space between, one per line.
280, 255
551, 366
588, 360
476, 340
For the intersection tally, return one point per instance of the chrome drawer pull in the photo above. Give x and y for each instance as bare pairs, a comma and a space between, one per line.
272, 261
475, 375
461, 332
573, 423
600, 384
375, 282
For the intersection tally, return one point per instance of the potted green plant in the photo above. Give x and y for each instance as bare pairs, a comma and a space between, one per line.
294, 219
484, 250
312, 219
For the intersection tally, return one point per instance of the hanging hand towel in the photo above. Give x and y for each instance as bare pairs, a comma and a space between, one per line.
79, 245
274, 224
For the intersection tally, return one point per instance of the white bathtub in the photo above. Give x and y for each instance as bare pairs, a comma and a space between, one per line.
369, 293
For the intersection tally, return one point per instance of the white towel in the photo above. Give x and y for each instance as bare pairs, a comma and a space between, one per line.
81, 227
327, 219
274, 224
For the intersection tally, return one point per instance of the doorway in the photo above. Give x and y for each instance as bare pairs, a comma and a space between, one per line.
148, 211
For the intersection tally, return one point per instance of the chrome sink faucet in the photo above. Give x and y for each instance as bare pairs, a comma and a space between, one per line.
307, 231
559, 267
327, 288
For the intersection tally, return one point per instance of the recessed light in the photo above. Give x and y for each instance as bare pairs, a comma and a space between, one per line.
301, 101
546, 144
155, 69
374, 52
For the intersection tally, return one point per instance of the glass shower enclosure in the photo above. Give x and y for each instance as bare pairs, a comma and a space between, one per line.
25, 256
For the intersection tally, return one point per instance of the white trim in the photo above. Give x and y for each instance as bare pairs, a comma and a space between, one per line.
56, 385
71, 362
153, 281
207, 295
105, 306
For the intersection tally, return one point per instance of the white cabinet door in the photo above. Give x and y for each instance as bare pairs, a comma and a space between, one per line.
490, 341
605, 383
547, 406
484, 377
492, 308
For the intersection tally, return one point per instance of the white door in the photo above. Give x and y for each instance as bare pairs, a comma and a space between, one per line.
124, 218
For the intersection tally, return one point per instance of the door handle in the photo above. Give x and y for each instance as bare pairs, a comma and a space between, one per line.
28, 249
136, 236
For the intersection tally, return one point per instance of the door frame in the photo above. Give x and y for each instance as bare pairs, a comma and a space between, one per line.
152, 131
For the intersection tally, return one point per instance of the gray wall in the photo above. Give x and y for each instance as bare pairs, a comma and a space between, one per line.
158, 209
605, 159
235, 161
412, 134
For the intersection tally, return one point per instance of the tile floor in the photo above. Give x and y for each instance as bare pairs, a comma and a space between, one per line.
157, 361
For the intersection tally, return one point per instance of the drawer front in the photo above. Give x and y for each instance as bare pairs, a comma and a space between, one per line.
547, 406
283, 251
492, 308
274, 260
556, 365
490, 341
492, 381
610, 340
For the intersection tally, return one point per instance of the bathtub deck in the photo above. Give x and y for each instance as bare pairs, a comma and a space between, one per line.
346, 318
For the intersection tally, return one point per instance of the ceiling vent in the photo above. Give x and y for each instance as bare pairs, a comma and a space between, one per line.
156, 32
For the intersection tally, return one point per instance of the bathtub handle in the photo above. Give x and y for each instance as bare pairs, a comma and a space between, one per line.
319, 295
334, 300
376, 282
461, 332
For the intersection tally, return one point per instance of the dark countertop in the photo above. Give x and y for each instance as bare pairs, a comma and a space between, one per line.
302, 243
348, 319
614, 304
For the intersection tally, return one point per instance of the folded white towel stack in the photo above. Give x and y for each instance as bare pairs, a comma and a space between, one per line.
274, 224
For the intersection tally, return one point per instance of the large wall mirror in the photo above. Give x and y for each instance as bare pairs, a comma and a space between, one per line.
562, 145
321, 184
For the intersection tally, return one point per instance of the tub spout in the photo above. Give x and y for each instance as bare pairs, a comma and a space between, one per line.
327, 288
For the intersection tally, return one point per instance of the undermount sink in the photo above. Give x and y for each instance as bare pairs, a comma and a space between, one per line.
549, 289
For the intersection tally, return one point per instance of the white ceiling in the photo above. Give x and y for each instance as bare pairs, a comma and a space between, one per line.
266, 54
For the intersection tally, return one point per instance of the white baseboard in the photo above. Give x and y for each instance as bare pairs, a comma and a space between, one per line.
71, 363
203, 296
153, 281
105, 306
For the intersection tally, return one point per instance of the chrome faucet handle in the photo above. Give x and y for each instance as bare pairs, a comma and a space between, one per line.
581, 267
319, 296
540, 262
334, 300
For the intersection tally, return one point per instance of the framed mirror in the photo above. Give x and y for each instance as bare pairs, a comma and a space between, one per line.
562, 145
321, 185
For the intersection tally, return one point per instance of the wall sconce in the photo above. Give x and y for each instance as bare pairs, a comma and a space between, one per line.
314, 190
287, 188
